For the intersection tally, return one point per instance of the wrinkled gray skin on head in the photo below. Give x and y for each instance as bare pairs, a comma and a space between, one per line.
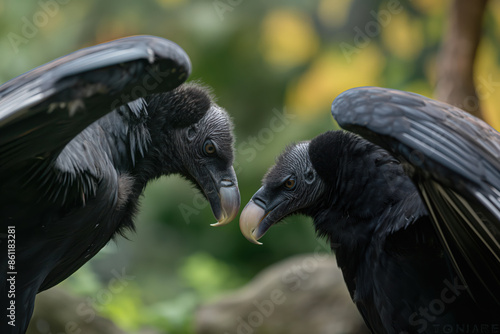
212, 173
289, 187
183, 123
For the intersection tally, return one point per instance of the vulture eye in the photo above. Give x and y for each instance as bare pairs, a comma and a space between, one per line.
290, 183
209, 147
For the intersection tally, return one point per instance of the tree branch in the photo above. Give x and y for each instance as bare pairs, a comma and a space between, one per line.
455, 83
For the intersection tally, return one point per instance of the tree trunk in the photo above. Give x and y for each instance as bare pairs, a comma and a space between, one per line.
455, 83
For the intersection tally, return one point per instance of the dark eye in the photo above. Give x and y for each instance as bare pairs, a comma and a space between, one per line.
290, 183
209, 147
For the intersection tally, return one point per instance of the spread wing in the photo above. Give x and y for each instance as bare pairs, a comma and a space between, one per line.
453, 158
43, 109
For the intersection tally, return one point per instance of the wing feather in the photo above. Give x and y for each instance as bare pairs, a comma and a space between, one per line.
453, 158
44, 109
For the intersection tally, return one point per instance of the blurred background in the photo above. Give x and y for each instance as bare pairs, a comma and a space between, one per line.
276, 66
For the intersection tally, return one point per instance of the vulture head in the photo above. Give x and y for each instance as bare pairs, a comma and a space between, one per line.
291, 186
196, 142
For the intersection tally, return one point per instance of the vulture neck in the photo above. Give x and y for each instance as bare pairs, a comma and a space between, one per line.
140, 146
359, 189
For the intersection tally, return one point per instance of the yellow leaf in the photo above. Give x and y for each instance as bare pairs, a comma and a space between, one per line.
330, 75
431, 7
403, 36
494, 8
487, 81
334, 13
288, 38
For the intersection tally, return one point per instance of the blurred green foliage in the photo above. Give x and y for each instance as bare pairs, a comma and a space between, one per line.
275, 66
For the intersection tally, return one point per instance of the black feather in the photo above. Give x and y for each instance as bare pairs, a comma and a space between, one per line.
414, 225
71, 178
192, 101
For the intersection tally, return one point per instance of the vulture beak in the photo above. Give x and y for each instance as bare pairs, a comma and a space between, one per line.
250, 219
260, 214
225, 201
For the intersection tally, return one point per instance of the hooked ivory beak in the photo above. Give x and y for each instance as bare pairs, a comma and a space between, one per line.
250, 219
230, 204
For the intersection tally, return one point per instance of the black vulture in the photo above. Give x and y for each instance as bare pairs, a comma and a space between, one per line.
409, 200
80, 137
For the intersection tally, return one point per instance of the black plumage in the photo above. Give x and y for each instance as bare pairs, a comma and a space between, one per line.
80, 138
413, 222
